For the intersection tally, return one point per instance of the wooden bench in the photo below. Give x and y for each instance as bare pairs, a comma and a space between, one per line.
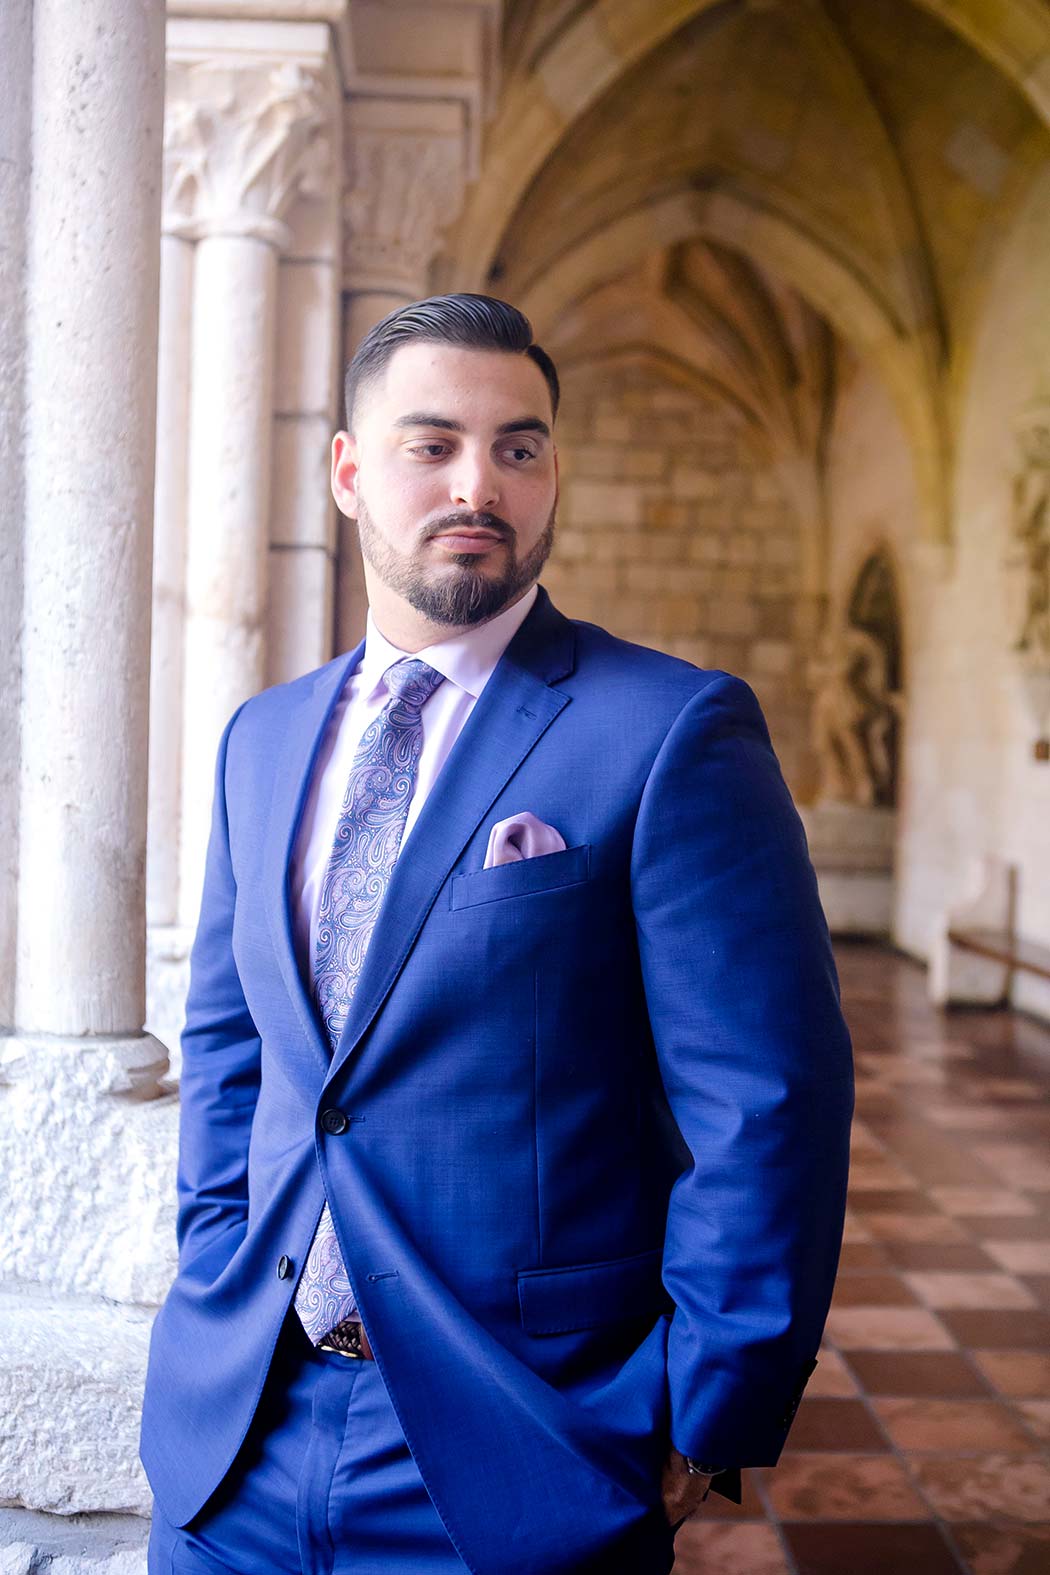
1002, 946
977, 949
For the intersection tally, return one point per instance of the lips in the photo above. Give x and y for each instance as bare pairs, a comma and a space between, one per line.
469, 540
471, 535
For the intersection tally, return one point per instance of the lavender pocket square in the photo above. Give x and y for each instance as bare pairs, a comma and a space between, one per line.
521, 837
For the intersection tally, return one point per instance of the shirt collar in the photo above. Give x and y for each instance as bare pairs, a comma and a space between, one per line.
467, 659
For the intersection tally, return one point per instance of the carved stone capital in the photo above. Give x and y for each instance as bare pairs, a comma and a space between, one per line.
241, 144
405, 185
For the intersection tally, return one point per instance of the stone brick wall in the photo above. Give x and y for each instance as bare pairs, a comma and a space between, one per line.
671, 533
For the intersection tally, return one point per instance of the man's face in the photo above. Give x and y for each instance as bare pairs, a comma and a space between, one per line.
451, 474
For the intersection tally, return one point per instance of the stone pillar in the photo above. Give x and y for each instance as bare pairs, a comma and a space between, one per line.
87, 1233
16, 51
306, 412
408, 161
92, 321
248, 136
169, 568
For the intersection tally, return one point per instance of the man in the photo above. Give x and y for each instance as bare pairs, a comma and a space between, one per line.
516, 1090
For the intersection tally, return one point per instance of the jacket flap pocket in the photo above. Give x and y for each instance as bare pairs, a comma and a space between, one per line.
553, 1301
545, 872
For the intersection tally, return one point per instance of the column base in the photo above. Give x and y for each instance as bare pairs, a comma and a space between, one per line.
167, 982
71, 1376
88, 1145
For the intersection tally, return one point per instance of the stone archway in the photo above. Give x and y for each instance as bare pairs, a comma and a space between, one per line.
606, 38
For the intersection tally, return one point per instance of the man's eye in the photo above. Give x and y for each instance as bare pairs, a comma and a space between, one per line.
429, 450
520, 455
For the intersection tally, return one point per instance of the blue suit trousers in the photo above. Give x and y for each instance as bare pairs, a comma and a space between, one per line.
325, 1484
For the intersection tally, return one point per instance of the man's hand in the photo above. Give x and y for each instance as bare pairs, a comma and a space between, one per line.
683, 1493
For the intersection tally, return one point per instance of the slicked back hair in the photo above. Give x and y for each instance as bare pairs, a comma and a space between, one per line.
471, 322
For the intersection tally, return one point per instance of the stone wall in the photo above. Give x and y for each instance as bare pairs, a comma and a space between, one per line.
970, 785
672, 533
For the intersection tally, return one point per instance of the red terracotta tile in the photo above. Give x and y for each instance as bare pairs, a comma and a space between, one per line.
937, 1229
1019, 1164
873, 1290
952, 1426
1001, 1328
1039, 1285
1004, 1550
1006, 1227
862, 1255
835, 1425
885, 1200
951, 1290
843, 1487
887, 1329
1035, 1414
831, 1379
863, 1549
1016, 1373
980, 1201
944, 1374
705, 1547
962, 1256
1034, 1227
1020, 1257
750, 1508
1000, 1487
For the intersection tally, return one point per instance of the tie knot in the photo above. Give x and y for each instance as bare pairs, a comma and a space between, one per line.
412, 681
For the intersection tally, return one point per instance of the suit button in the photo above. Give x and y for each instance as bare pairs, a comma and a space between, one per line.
284, 1268
334, 1122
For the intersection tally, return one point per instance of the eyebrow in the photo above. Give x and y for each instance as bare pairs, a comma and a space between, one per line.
423, 418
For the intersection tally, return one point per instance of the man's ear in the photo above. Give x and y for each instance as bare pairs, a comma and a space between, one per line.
344, 474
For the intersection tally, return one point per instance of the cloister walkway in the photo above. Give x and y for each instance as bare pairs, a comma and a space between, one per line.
924, 1441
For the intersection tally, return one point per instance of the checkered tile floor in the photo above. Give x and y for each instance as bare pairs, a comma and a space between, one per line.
923, 1443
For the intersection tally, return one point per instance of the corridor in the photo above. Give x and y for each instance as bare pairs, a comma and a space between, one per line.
924, 1441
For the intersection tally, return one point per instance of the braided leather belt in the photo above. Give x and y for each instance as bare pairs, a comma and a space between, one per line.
347, 1339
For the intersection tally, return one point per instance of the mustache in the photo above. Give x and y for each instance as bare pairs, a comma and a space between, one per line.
480, 521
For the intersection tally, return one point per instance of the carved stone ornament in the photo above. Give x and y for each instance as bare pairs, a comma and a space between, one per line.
406, 188
241, 145
852, 717
1031, 530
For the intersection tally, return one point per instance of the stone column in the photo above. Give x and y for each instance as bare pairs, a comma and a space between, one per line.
169, 550
86, 1236
408, 161
16, 40
92, 321
251, 137
306, 412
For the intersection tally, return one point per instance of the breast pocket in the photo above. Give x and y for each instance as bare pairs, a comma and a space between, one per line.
525, 877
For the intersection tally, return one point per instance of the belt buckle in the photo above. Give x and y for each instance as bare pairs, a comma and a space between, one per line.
350, 1329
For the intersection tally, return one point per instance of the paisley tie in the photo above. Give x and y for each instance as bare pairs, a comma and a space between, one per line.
371, 825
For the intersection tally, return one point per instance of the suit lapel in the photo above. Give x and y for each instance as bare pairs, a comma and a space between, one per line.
299, 745
514, 710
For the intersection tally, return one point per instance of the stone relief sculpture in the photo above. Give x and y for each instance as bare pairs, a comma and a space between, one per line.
1032, 530
854, 710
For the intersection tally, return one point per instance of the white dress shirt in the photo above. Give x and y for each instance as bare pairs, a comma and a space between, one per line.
467, 661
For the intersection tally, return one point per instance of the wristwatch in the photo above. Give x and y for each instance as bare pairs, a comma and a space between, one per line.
697, 1468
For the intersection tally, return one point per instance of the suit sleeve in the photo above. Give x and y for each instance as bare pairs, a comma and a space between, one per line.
221, 1058
756, 1062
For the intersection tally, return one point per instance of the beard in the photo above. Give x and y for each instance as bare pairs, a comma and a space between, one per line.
461, 591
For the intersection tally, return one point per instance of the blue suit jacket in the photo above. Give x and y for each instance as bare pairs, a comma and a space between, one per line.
591, 1189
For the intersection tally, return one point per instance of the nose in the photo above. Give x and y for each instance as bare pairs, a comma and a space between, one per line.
474, 483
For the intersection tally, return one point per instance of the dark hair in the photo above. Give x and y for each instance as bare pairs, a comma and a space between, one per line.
474, 322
